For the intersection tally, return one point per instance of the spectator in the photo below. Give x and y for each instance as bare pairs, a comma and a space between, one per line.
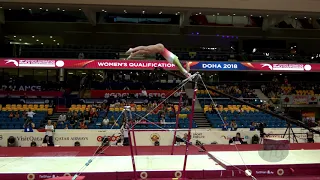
48, 138
93, 113
233, 125
11, 115
83, 125
28, 126
162, 120
105, 121
17, 115
30, 114
253, 126
225, 124
66, 127
62, 118
112, 120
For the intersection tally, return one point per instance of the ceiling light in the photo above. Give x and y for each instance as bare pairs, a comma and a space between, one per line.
9, 9
102, 10
228, 14
259, 16
58, 44
244, 16
1, 7
143, 12
47, 9
20, 39
160, 12
54, 40
199, 12
41, 43
40, 8
267, 15
251, 15
63, 10
50, 37
305, 17
58, 9
32, 36
14, 36
26, 43
37, 40
124, 11
218, 14
213, 15
22, 8
177, 14
234, 14
79, 9
295, 18
30, 9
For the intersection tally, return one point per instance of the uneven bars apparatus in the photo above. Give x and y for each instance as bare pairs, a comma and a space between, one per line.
133, 148
292, 121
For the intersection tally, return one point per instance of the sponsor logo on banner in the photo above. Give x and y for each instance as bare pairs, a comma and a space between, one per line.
71, 139
113, 138
198, 135
47, 176
300, 99
136, 93
287, 67
21, 88
155, 137
35, 63
265, 172
29, 138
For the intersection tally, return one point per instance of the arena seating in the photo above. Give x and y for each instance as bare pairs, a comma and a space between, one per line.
42, 111
231, 110
138, 111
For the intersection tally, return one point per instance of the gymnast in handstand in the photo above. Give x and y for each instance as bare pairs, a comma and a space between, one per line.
159, 48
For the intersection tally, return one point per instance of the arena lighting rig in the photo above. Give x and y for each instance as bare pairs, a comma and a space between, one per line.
288, 120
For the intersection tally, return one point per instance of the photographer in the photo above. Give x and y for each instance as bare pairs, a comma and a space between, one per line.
310, 137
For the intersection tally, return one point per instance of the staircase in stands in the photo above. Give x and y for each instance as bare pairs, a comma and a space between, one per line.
55, 116
201, 120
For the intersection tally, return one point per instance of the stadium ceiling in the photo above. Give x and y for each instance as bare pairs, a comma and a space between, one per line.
35, 40
150, 10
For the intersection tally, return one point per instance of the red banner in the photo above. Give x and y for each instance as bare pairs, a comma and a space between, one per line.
152, 64
122, 93
85, 64
32, 93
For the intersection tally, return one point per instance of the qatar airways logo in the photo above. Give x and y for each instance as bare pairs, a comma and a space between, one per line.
287, 67
35, 63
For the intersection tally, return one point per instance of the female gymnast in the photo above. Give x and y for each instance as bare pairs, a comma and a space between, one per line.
159, 48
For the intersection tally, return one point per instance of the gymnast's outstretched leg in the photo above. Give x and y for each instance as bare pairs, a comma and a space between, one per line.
159, 48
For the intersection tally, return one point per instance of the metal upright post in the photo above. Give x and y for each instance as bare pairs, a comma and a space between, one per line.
131, 149
177, 122
134, 141
190, 126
